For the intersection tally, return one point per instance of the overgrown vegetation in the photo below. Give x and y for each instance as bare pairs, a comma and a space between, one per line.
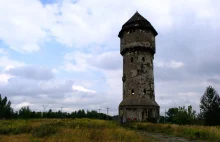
5, 108
96, 130
209, 111
187, 131
181, 115
210, 107
26, 129
66, 130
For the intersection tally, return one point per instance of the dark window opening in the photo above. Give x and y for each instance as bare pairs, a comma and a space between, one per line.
143, 59
144, 91
132, 91
131, 59
124, 77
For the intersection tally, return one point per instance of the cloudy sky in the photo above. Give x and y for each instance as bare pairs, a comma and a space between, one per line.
65, 53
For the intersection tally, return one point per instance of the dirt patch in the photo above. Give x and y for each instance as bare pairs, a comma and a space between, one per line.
167, 138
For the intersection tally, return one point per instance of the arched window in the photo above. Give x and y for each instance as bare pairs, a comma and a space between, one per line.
132, 91
132, 59
143, 59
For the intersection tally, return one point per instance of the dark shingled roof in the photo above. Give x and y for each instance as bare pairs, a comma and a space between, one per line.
138, 102
137, 20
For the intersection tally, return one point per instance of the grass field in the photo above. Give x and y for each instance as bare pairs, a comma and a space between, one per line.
187, 131
86, 130
65, 130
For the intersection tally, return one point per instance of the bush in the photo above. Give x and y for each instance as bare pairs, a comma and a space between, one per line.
45, 130
6, 127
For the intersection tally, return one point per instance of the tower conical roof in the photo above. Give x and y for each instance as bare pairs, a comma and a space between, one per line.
137, 20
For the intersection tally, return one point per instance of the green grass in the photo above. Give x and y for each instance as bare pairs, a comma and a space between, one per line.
187, 131
83, 130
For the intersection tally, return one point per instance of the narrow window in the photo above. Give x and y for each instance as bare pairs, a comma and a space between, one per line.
144, 91
143, 59
124, 77
131, 59
132, 91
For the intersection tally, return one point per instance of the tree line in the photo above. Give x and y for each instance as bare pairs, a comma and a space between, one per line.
6, 112
209, 111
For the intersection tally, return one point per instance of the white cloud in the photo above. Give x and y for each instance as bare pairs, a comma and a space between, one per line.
82, 89
175, 64
2, 51
23, 104
4, 78
171, 64
54, 70
80, 61
84, 23
8, 63
27, 25
32, 72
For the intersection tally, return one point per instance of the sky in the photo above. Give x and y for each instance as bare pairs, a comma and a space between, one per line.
66, 53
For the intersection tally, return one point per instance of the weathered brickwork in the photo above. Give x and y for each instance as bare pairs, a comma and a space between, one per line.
137, 46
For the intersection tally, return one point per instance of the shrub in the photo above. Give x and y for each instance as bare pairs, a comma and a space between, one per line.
45, 130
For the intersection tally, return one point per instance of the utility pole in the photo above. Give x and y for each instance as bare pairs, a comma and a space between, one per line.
99, 116
107, 112
99, 110
44, 107
61, 112
165, 116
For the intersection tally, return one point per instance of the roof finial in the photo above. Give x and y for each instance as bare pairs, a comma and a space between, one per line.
136, 11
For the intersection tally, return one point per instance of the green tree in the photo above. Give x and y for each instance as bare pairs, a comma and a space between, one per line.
210, 107
81, 113
181, 115
5, 108
50, 113
171, 114
25, 112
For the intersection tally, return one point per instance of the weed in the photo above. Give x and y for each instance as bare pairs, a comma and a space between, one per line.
45, 130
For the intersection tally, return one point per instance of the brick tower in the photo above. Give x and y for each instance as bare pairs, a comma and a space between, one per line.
137, 46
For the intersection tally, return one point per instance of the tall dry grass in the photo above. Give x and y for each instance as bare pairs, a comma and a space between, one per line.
74, 130
210, 133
